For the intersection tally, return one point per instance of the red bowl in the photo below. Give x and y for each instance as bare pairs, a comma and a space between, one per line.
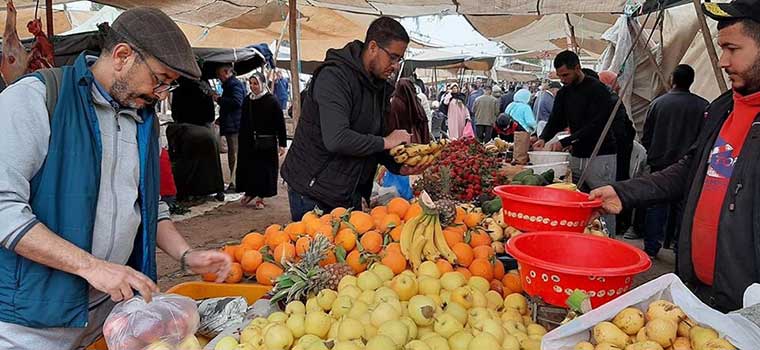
554, 264
537, 208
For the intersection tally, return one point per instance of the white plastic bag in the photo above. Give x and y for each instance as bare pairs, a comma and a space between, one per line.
135, 324
735, 328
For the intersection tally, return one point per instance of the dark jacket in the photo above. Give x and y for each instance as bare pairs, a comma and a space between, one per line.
505, 100
231, 106
192, 103
339, 139
738, 246
673, 123
584, 108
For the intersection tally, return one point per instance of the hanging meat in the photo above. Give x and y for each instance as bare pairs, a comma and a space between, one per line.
42, 54
15, 58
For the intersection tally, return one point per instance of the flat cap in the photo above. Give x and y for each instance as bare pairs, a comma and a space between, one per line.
155, 34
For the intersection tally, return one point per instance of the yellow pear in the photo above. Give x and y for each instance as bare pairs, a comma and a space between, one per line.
452, 280
341, 306
325, 298
318, 323
436, 342
350, 329
381, 342
404, 286
430, 269
296, 323
428, 285
416, 345
346, 281
350, 291
518, 302
384, 313
446, 325
384, 272
295, 307
368, 280
479, 283
396, 330
460, 340
278, 337
458, 311
484, 341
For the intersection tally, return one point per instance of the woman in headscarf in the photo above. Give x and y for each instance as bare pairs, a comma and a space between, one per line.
521, 112
457, 112
407, 113
193, 146
262, 141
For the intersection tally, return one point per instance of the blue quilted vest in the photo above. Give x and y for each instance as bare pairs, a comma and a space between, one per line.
64, 196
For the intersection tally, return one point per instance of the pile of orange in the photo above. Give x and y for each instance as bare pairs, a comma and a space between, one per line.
362, 238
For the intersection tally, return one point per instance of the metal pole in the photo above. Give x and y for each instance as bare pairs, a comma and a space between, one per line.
295, 79
49, 17
710, 46
622, 92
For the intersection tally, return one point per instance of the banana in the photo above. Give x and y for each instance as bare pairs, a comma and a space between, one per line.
416, 150
397, 150
440, 242
416, 252
401, 158
429, 250
407, 235
413, 161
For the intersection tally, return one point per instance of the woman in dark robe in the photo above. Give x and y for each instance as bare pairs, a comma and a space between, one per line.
193, 147
407, 112
262, 141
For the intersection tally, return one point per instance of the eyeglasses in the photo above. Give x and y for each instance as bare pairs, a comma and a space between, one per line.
394, 57
161, 86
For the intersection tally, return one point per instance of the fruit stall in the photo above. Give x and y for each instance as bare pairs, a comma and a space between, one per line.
441, 272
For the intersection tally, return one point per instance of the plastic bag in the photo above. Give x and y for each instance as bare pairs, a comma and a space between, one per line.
738, 330
135, 324
218, 313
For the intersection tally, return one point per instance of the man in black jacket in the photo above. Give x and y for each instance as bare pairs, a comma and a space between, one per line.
672, 125
583, 105
719, 241
340, 137
230, 107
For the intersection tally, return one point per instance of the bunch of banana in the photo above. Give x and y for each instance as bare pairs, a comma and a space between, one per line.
418, 154
422, 239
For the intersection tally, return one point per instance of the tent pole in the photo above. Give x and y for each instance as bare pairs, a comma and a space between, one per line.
49, 17
295, 79
707, 36
277, 48
572, 41
435, 80
650, 56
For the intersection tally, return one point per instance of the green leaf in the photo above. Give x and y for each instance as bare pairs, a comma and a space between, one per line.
468, 236
340, 254
387, 240
318, 211
359, 245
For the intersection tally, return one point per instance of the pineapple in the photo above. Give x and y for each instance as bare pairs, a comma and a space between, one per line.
306, 278
447, 207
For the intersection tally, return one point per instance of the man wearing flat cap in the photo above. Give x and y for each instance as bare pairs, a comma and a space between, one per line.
80, 216
719, 241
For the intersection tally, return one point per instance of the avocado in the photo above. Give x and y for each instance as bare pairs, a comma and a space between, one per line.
533, 180
522, 175
491, 206
548, 176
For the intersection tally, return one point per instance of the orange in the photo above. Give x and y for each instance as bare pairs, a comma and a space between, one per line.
239, 250
277, 238
463, 270
312, 223
309, 216
396, 233
250, 261
378, 212
444, 266
230, 251
326, 219
346, 238
473, 219
209, 277
393, 247
295, 229
284, 251
325, 230
479, 238
338, 212
459, 218
453, 236
362, 221
355, 261
498, 270
414, 211
267, 273
484, 252
395, 261
482, 267
372, 242
390, 221
329, 259
464, 254
398, 206
513, 282
271, 229
302, 245
253, 240
236, 274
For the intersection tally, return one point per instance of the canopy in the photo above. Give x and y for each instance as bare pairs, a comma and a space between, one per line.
428, 58
511, 75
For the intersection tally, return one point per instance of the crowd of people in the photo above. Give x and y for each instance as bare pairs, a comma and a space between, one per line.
81, 213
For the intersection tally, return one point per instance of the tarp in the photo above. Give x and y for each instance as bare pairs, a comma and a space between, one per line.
428, 58
504, 74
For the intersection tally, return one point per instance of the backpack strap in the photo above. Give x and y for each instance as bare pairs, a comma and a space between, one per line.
52, 79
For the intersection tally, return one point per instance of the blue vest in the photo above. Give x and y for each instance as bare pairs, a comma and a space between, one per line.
64, 196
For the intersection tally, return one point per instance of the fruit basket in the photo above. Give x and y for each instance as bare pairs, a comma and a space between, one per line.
536, 208
203, 290
555, 264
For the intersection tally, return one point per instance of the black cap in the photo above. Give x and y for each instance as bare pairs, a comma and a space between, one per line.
737, 9
155, 34
555, 85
